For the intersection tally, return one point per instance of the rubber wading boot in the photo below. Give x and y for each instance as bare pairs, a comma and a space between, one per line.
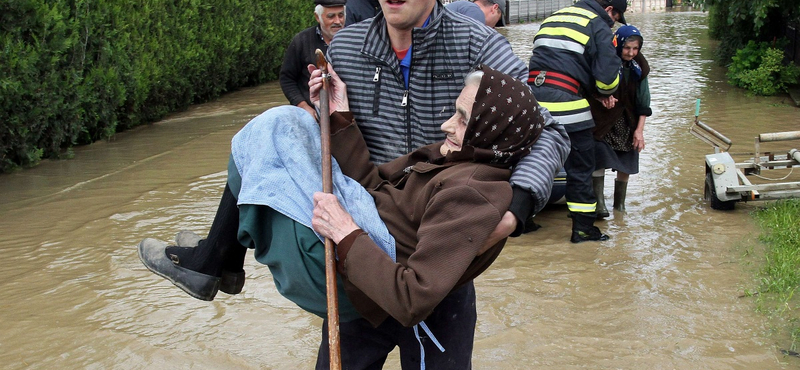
620, 190
583, 229
231, 282
598, 183
154, 256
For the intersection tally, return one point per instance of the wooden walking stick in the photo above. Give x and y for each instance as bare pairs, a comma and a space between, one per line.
327, 187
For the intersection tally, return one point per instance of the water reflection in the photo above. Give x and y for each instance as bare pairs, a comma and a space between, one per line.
661, 294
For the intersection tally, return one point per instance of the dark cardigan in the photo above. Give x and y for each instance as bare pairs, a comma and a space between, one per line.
604, 118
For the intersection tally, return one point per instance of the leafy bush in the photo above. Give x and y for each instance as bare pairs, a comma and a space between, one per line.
735, 22
76, 71
732, 36
759, 68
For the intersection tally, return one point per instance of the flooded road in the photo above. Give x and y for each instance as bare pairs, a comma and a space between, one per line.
663, 293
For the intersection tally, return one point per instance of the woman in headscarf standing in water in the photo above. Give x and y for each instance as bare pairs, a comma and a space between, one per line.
619, 130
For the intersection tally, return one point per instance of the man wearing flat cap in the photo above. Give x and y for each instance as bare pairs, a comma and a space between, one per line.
330, 16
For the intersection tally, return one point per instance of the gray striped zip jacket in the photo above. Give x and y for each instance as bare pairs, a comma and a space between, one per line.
395, 120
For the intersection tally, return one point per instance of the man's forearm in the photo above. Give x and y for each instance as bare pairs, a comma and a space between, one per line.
535, 172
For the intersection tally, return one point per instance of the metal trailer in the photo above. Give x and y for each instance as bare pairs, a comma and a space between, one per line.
727, 181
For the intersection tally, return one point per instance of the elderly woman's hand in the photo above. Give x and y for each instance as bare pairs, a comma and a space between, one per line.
506, 226
608, 101
638, 140
330, 219
337, 92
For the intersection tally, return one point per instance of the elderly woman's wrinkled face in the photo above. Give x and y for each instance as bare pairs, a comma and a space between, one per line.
631, 49
457, 125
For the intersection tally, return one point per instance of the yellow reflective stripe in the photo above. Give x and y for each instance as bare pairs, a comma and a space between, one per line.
611, 87
565, 106
576, 10
564, 31
582, 207
581, 21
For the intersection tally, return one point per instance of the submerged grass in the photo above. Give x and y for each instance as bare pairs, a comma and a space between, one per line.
779, 278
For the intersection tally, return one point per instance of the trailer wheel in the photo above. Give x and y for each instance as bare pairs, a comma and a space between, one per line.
710, 194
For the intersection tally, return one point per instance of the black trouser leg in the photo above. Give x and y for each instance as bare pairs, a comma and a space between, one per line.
579, 166
224, 232
221, 249
362, 347
452, 323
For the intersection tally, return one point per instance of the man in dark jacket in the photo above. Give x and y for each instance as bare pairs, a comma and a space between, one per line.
574, 59
330, 14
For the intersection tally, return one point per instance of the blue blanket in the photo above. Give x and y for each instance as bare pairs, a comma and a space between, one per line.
278, 155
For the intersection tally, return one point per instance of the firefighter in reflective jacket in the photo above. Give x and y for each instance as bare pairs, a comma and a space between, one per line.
574, 59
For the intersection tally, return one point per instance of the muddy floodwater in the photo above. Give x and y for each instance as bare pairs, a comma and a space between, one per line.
663, 293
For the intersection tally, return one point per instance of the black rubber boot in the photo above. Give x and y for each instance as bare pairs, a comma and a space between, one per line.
598, 183
583, 229
620, 191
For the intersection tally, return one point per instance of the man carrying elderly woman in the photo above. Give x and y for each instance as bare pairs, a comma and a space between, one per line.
410, 234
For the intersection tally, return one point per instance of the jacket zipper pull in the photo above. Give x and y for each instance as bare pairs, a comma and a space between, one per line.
377, 74
405, 99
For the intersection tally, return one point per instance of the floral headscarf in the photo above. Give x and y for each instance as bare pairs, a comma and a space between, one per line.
505, 120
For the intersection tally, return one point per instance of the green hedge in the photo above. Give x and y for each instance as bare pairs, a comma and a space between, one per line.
735, 22
76, 71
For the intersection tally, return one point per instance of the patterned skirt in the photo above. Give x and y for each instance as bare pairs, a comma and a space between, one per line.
616, 151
